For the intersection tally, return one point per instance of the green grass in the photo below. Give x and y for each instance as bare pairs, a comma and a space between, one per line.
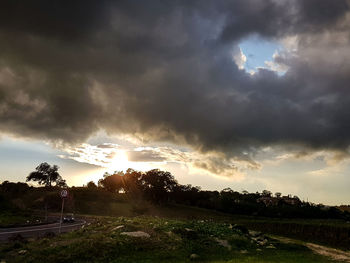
333, 233
20, 218
172, 240
325, 232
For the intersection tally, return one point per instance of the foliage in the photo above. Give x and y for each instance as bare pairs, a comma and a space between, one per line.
91, 185
160, 187
170, 241
46, 174
98, 201
154, 185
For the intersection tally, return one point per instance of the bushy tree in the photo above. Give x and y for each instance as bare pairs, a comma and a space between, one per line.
46, 175
266, 193
157, 185
160, 187
278, 194
154, 185
91, 185
111, 182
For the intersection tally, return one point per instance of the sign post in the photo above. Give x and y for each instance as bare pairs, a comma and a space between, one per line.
63, 194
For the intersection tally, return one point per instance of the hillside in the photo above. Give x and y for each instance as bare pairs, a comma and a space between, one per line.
111, 239
28, 204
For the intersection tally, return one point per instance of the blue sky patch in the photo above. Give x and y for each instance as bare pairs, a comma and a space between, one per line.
258, 50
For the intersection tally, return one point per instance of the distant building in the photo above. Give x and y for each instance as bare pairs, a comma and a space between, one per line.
274, 201
268, 200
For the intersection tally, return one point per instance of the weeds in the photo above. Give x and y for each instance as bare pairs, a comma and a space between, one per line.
169, 241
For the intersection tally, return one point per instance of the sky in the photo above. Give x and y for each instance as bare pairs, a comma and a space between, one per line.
246, 94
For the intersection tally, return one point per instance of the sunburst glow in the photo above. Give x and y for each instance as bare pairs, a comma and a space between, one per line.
119, 161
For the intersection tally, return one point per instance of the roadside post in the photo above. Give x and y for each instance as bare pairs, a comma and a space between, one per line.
63, 194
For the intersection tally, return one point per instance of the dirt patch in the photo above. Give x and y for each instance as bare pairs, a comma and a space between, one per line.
334, 254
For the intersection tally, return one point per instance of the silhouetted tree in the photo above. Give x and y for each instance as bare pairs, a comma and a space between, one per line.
157, 185
111, 182
266, 193
46, 174
131, 183
278, 194
161, 187
91, 185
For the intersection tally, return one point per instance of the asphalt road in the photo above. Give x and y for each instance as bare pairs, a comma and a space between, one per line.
39, 231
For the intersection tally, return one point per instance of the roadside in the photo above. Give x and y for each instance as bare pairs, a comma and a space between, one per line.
332, 253
38, 230
50, 220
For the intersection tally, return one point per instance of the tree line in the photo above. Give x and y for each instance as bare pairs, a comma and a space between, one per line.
161, 188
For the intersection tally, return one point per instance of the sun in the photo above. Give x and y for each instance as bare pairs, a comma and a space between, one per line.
119, 162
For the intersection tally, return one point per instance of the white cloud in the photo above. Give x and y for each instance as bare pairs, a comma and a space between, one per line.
239, 58
116, 157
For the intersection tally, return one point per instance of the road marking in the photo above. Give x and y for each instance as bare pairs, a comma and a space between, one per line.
41, 229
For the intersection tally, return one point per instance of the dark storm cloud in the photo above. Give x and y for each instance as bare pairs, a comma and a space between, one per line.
164, 70
54, 19
273, 18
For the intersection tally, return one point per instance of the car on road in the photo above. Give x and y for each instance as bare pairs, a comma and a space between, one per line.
69, 218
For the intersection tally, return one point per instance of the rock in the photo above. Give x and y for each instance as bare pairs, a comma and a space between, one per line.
118, 227
194, 256
254, 233
244, 251
263, 242
223, 243
136, 234
258, 249
271, 246
22, 252
260, 240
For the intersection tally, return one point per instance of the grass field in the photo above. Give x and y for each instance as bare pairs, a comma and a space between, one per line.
170, 240
334, 233
9, 219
